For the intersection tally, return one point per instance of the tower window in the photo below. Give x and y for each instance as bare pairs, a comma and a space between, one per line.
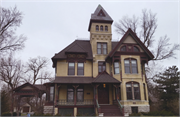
97, 28
106, 28
101, 48
101, 28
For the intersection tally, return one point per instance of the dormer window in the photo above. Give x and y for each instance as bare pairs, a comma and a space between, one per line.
106, 28
101, 28
97, 28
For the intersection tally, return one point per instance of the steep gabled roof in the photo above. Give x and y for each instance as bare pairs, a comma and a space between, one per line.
100, 15
131, 33
78, 46
104, 77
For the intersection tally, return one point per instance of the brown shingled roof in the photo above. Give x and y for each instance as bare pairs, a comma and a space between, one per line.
78, 46
104, 77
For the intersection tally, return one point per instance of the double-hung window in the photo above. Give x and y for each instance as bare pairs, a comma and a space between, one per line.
116, 67
101, 66
80, 69
51, 93
133, 91
71, 68
101, 48
130, 66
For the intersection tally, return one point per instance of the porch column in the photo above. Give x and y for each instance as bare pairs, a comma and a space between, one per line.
55, 95
117, 87
75, 93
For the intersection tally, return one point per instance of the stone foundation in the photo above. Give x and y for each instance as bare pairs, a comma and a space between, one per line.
48, 109
127, 109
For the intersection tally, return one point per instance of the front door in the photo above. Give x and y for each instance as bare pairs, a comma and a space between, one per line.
103, 94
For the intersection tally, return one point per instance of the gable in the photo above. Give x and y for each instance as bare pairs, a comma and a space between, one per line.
27, 87
129, 39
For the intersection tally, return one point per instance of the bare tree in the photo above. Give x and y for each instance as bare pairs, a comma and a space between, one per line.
35, 67
9, 21
11, 71
147, 26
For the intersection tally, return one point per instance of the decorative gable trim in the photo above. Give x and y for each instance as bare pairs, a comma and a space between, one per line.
131, 33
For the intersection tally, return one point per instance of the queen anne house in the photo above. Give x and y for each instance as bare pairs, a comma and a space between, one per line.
100, 76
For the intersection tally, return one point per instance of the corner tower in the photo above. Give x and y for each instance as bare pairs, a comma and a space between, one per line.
100, 36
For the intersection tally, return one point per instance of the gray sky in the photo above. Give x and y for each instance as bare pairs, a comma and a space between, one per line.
51, 25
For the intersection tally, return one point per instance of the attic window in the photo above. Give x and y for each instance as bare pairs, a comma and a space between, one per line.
101, 13
135, 49
123, 48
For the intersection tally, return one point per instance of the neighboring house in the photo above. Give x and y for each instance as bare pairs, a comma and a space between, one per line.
97, 75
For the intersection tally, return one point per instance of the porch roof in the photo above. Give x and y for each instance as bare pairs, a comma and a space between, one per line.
104, 77
73, 80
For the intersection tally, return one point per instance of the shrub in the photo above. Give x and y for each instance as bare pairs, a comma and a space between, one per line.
6, 114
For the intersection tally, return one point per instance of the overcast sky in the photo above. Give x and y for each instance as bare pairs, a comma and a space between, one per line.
51, 25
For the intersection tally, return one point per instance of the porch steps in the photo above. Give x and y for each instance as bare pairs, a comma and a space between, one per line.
110, 110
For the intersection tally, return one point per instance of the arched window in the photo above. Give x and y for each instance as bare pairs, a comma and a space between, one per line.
116, 67
101, 28
132, 91
97, 28
130, 66
123, 48
106, 28
135, 49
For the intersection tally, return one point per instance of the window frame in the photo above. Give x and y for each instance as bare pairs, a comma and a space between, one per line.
102, 47
130, 66
51, 93
122, 48
101, 28
97, 27
101, 64
70, 87
106, 28
144, 87
135, 47
80, 87
135, 95
80, 69
116, 67
71, 68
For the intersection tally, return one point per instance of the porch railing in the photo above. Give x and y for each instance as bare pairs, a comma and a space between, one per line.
79, 102
98, 107
121, 107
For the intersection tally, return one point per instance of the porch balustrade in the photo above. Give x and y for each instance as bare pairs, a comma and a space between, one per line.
79, 102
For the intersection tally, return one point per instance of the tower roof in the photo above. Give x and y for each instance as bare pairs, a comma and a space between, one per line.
100, 16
